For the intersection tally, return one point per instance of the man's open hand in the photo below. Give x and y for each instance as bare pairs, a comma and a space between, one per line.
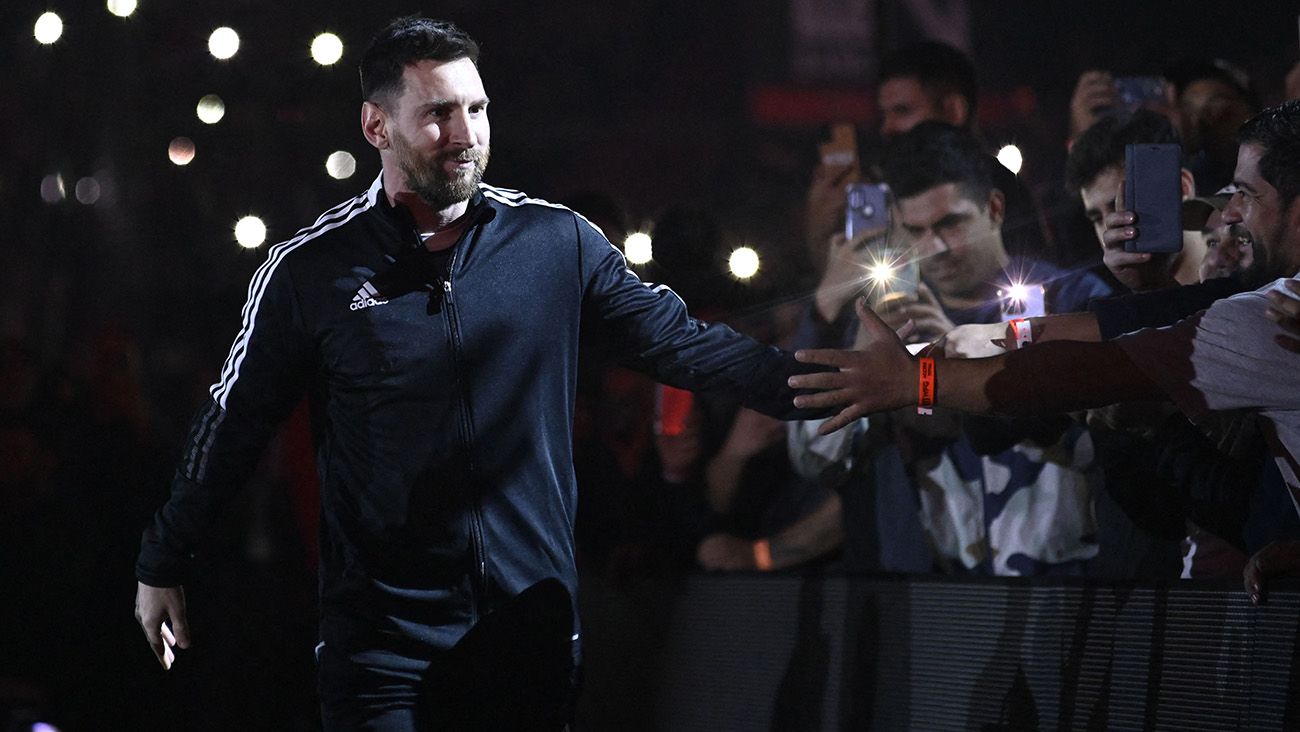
878, 377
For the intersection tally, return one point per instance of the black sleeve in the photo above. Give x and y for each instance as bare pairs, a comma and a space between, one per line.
655, 334
1127, 313
262, 381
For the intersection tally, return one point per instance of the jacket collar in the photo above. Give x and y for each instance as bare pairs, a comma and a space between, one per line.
399, 220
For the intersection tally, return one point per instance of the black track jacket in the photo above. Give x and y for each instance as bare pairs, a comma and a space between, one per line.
442, 409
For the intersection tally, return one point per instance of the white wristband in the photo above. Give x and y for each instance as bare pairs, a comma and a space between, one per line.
1024, 332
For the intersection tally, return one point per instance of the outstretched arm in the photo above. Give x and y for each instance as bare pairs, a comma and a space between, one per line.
1048, 378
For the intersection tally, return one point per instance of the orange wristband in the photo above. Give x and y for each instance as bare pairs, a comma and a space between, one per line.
925, 387
763, 555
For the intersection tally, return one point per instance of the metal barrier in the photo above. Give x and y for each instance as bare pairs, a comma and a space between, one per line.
748, 652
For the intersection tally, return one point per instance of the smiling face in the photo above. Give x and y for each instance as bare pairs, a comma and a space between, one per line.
1257, 205
434, 137
958, 240
1228, 249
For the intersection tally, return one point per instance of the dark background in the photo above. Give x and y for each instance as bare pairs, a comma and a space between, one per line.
117, 315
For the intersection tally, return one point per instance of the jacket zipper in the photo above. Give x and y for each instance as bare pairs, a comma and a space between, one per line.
479, 583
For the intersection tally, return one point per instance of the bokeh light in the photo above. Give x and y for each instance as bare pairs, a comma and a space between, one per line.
121, 8
181, 151
223, 43
52, 190
49, 28
210, 109
87, 190
250, 232
1011, 158
637, 247
743, 263
340, 164
326, 49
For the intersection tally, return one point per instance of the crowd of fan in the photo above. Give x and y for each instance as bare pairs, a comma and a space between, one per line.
1131, 491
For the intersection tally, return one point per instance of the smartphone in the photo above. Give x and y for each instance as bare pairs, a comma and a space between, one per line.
1153, 191
672, 408
892, 275
1023, 301
842, 149
867, 208
1135, 92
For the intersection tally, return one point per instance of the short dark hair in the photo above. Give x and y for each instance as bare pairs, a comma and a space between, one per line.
1277, 131
1102, 145
938, 67
404, 42
934, 153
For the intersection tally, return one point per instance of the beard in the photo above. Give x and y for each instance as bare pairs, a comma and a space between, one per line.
428, 177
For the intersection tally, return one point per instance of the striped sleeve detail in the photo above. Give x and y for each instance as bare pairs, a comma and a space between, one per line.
515, 199
518, 198
332, 219
195, 465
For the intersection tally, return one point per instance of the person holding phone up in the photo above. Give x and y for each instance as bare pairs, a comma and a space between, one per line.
947, 217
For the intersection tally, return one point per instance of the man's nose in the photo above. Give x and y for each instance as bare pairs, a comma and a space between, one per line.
460, 132
1232, 212
930, 245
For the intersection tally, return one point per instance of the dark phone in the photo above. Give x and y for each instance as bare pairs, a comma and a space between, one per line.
1153, 191
868, 208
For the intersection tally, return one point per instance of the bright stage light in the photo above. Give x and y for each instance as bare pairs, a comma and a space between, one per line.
340, 164
49, 28
637, 247
250, 232
223, 43
743, 263
52, 190
1011, 158
326, 49
181, 151
121, 8
210, 109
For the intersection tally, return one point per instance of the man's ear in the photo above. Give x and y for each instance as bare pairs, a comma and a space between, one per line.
374, 125
1187, 182
954, 110
997, 206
